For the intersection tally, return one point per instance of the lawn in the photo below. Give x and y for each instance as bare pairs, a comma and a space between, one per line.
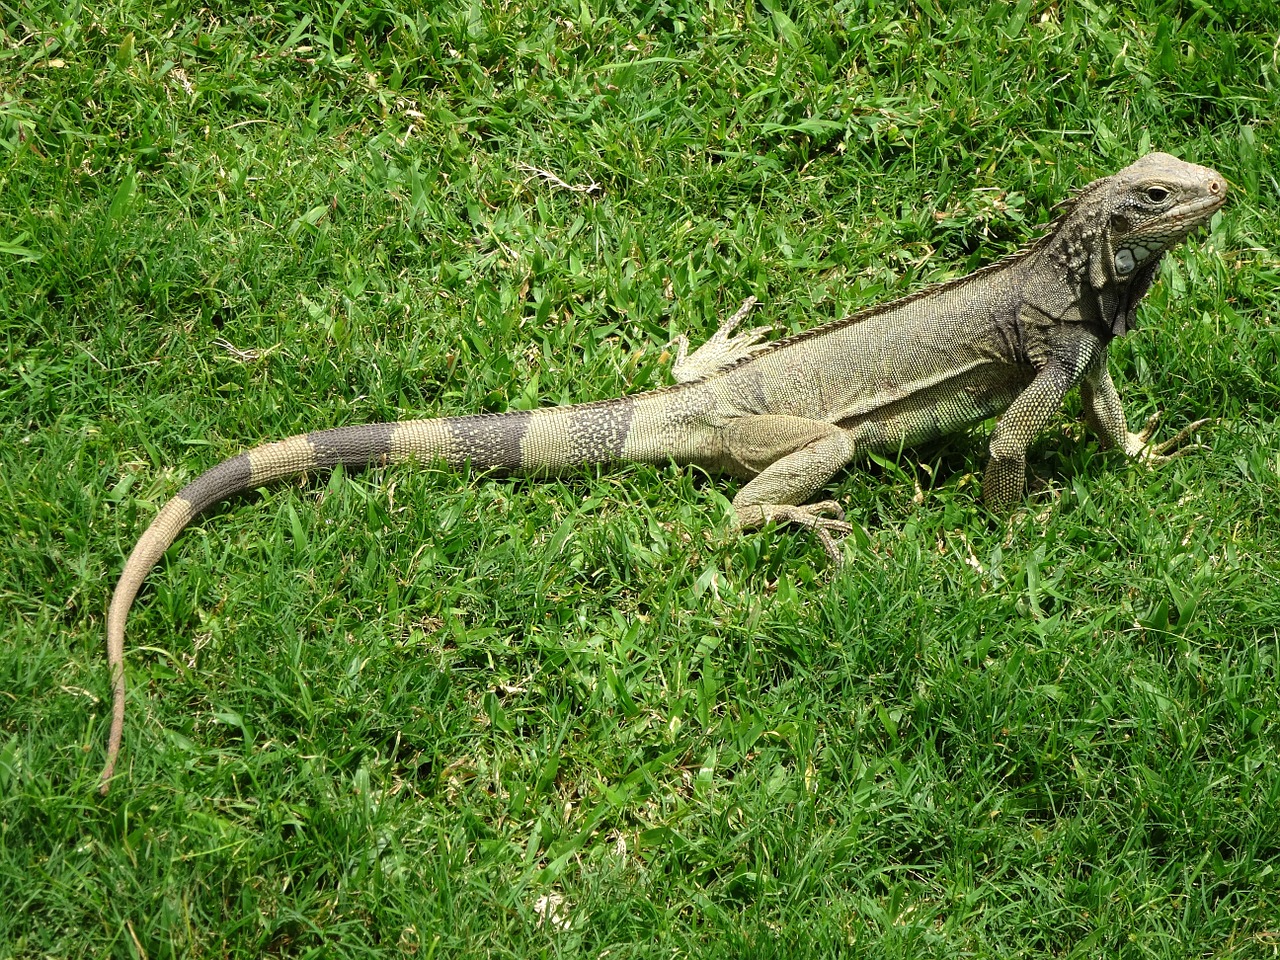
418, 712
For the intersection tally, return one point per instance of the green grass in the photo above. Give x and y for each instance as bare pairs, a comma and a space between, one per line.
384, 714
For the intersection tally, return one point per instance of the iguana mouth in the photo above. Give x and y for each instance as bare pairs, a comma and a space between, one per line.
1183, 220
1209, 204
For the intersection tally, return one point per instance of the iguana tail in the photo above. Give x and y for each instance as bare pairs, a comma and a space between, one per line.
540, 442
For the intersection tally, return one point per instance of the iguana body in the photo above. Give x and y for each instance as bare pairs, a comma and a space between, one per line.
1010, 339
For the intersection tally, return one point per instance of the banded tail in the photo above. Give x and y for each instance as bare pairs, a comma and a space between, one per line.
539, 441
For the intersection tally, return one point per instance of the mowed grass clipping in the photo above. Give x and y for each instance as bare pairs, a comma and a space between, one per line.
415, 712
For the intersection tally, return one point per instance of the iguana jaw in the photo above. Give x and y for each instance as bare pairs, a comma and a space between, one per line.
1168, 231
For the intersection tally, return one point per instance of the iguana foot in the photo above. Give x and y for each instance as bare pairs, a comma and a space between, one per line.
825, 519
721, 350
1138, 445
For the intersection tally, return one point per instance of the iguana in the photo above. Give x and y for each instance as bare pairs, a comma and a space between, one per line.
1009, 339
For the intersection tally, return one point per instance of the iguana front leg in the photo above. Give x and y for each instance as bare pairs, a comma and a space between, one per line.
792, 458
1006, 476
1105, 416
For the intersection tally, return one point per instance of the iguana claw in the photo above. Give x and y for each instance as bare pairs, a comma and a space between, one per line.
825, 519
1139, 444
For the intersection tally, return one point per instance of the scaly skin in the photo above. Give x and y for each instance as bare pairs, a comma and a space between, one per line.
1010, 339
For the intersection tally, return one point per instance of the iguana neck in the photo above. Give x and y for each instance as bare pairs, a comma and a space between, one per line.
1077, 257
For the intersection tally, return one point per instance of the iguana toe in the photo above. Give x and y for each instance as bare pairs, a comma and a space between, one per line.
825, 519
723, 349
1139, 444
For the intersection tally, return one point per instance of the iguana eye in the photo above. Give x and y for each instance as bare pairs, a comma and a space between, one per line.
1157, 194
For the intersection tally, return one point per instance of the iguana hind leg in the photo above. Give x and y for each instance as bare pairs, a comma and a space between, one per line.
792, 458
722, 350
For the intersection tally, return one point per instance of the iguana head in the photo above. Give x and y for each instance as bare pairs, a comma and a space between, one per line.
1153, 204
1112, 234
